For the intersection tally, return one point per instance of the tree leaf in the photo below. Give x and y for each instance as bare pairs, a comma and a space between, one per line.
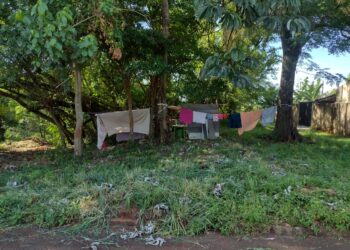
42, 7
288, 24
19, 15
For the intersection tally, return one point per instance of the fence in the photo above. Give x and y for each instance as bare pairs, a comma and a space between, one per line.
331, 117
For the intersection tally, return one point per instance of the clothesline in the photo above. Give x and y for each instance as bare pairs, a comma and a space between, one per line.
244, 121
118, 122
179, 107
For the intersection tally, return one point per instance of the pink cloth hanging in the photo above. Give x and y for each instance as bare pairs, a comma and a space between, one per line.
186, 116
222, 116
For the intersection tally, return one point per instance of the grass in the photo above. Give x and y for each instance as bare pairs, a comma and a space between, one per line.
265, 183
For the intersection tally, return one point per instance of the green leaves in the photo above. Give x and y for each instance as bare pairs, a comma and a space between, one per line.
49, 30
272, 23
221, 66
40, 8
52, 42
237, 55
19, 15
272, 14
107, 7
52, 35
308, 91
300, 24
87, 47
231, 21
205, 9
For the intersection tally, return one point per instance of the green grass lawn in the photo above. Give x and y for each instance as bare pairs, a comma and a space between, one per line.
265, 183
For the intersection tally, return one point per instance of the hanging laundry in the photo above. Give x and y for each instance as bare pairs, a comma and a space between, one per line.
210, 127
249, 121
268, 115
118, 122
101, 133
215, 117
234, 120
222, 116
199, 117
186, 116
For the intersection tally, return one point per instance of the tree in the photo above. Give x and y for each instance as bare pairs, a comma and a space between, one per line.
45, 86
327, 16
165, 76
298, 24
62, 42
36, 69
308, 91
57, 33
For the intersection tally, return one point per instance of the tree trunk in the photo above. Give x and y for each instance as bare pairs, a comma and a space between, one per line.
60, 128
153, 97
78, 112
284, 128
127, 86
2, 130
165, 77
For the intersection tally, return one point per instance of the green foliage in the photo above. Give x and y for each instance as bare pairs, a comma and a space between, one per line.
217, 14
282, 17
234, 65
40, 40
87, 46
308, 91
60, 36
19, 125
272, 14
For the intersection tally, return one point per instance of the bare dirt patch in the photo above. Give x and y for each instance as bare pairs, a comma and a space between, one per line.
30, 238
16, 154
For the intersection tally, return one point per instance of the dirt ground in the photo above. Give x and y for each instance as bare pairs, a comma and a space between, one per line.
31, 238
15, 154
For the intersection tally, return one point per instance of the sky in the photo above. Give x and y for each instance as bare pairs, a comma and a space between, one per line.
336, 64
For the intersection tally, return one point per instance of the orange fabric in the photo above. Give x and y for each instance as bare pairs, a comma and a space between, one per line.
249, 121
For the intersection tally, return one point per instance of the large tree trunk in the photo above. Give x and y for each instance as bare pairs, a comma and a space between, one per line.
78, 150
284, 128
165, 76
127, 86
